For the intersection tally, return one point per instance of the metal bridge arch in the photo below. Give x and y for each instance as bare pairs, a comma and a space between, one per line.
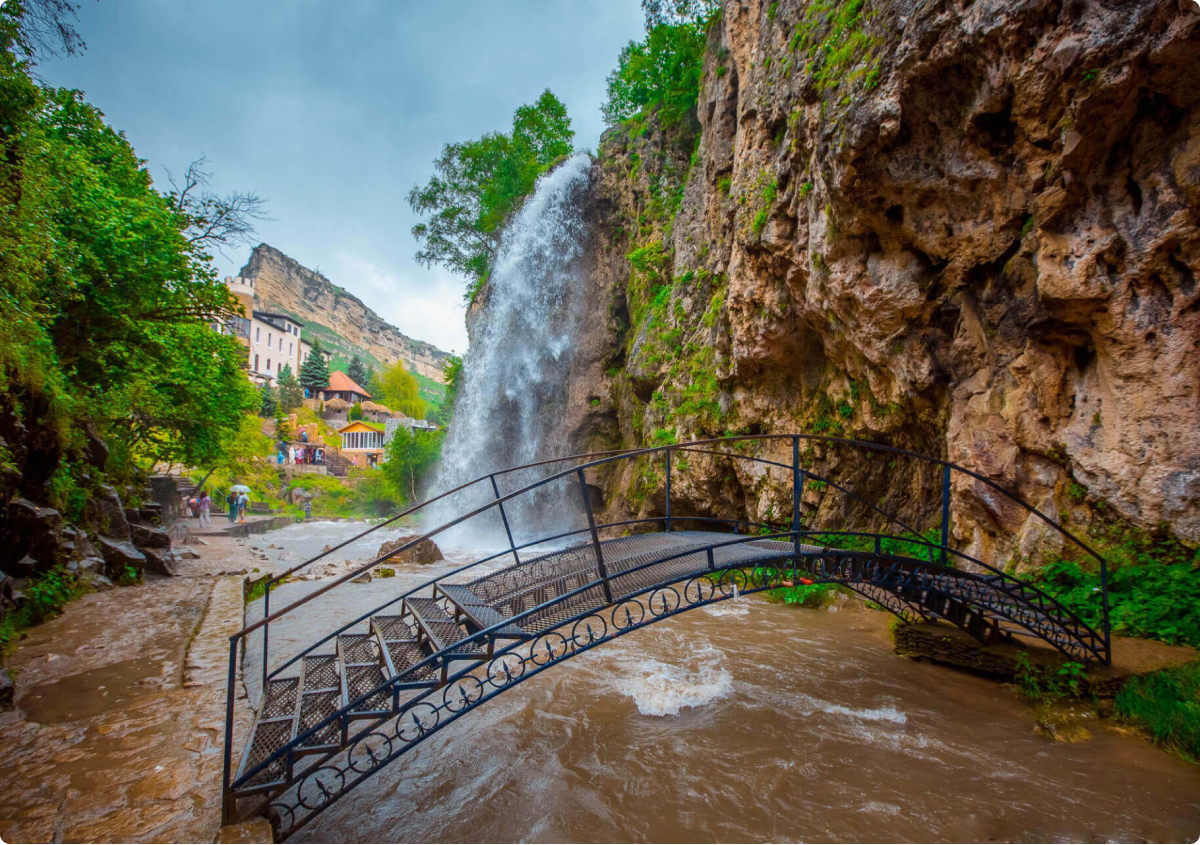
445, 647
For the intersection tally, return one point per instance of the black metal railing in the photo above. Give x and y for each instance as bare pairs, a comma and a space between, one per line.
938, 555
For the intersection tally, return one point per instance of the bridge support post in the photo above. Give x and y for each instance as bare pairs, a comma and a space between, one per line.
512, 546
266, 631
945, 511
797, 493
587, 506
668, 506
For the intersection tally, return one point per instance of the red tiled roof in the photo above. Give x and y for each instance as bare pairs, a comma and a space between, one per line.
339, 381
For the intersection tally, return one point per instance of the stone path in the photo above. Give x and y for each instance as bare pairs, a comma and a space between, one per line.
118, 727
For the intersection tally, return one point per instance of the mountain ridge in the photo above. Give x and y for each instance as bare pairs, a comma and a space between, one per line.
333, 314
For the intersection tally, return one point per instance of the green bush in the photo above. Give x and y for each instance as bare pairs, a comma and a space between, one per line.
1166, 704
1146, 599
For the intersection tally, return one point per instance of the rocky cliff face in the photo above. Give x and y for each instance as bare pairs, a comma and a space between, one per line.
965, 227
283, 283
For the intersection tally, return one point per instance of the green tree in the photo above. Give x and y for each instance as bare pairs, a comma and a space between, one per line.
452, 373
398, 389
409, 457
356, 411
477, 185
357, 372
291, 394
106, 293
314, 372
662, 72
267, 400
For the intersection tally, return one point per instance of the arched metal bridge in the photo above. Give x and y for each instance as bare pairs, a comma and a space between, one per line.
365, 694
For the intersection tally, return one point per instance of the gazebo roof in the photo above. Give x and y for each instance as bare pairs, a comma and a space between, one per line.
376, 407
336, 404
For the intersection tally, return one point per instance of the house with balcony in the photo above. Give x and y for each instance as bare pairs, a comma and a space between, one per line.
272, 340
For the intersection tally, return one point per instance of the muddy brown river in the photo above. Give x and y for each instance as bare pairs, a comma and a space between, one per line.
750, 721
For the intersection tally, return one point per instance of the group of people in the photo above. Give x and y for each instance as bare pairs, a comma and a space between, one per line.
200, 505
302, 454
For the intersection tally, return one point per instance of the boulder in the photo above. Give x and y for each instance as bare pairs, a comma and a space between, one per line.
105, 514
96, 581
7, 690
149, 537
76, 545
25, 567
423, 552
187, 554
119, 554
160, 561
36, 532
179, 533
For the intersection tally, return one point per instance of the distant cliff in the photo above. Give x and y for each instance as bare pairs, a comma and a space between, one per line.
284, 284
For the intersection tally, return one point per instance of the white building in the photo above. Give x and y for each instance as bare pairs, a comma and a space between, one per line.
272, 340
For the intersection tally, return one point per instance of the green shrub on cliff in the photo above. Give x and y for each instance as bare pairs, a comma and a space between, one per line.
478, 185
662, 72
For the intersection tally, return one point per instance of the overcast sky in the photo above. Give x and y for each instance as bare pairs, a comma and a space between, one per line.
333, 109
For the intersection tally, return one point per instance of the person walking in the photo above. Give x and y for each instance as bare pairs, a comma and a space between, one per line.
231, 502
205, 502
291, 454
243, 506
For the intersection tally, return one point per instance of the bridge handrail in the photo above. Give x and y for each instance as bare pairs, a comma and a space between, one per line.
490, 632
596, 459
605, 457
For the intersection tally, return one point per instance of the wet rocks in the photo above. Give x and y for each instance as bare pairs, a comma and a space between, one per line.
149, 537
159, 561
35, 532
424, 552
120, 555
7, 690
105, 515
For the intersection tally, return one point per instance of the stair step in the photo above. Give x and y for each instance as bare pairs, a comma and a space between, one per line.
275, 727
406, 653
320, 672
361, 662
481, 614
314, 707
439, 628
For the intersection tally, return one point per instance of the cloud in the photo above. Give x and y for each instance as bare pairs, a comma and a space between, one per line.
426, 305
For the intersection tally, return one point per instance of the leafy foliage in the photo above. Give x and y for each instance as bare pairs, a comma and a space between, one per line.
398, 389
452, 372
1166, 704
409, 457
314, 372
1146, 599
291, 394
662, 72
477, 185
267, 401
105, 293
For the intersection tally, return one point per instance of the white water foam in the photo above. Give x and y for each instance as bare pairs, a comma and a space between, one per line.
871, 714
662, 689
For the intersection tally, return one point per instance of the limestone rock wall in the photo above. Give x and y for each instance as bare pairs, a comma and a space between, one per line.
966, 228
282, 282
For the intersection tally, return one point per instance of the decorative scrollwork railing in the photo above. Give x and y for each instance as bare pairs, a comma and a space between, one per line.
690, 570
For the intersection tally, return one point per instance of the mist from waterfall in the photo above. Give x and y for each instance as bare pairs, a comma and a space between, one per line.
514, 381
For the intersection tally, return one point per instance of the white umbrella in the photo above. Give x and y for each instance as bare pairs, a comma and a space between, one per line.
239, 488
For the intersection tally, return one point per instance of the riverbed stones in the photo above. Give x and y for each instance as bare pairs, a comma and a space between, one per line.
424, 552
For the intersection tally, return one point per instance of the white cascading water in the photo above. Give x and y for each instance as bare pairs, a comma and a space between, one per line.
514, 381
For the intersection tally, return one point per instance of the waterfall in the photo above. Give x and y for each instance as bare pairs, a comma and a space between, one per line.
515, 375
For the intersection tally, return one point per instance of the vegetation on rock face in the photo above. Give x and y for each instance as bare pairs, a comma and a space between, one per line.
1153, 585
662, 72
477, 185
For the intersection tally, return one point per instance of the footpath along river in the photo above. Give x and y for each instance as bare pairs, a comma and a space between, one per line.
744, 721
